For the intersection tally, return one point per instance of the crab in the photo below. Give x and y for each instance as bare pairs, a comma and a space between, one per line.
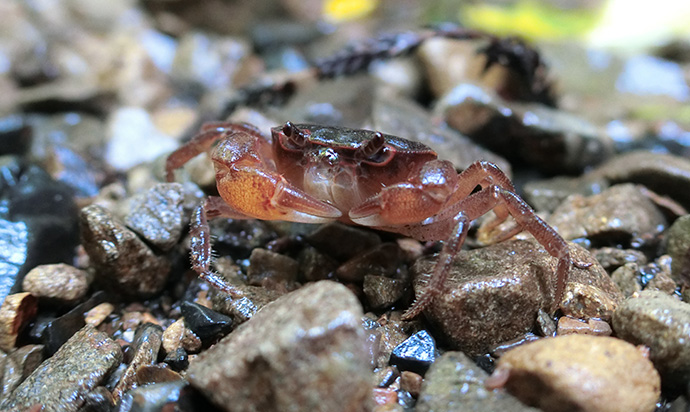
315, 174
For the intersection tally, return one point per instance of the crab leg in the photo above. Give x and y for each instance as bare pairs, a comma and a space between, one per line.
200, 242
471, 208
210, 133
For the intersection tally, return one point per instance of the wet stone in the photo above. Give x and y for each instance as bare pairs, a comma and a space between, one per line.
304, 351
178, 336
626, 278
243, 308
548, 139
272, 270
679, 248
62, 382
59, 281
206, 323
57, 331
662, 323
153, 397
16, 312
415, 354
568, 325
238, 238
314, 265
27, 358
508, 283
579, 373
455, 383
664, 174
147, 343
612, 258
38, 222
342, 242
392, 333
122, 260
619, 214
150, 374
382, 292
157, 215
546, 195
178, 359
383, 260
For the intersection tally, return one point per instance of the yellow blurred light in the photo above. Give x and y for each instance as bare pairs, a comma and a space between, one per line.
343, 10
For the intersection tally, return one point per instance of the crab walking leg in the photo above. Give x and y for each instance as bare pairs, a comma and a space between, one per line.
471, 208
200, 243
435, 283
210, 133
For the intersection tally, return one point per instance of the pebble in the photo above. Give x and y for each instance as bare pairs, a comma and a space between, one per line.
314, 265
455, 383
664, 174
154, 397
57, 331
157, 215
97, 315
662, 323
62, 382
382, 260
391, 333
272, 270
626, 278
205, 323
16, 312
147, 343
242, 309
678, 246
548, 139
415, 354
613, 258
122, 260
620, 214
514, 277
59, 281
177, 336
382, 292
568, 325
304, 351
343, 242
579, 373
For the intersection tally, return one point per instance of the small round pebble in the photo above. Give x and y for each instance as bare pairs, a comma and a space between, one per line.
579, 373
662, 323
58, 281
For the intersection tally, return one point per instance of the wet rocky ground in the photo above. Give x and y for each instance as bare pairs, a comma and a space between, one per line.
102, 311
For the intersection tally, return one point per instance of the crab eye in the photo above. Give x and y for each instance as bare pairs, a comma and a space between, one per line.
373, 150
296, 138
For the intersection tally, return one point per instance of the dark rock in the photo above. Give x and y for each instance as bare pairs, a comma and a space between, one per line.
679, 248
547, 195
304, 351
416, 353
382, 260
272, 270
62, 381
342, 242
237, 238
620, 214
147, 343
207, 324
38, 223
123, 262
59, 330
15, 135
98, 400
382, 292
392, 333
662, 323
157, 215
178, 359
455, 383
314, 265
548, 139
